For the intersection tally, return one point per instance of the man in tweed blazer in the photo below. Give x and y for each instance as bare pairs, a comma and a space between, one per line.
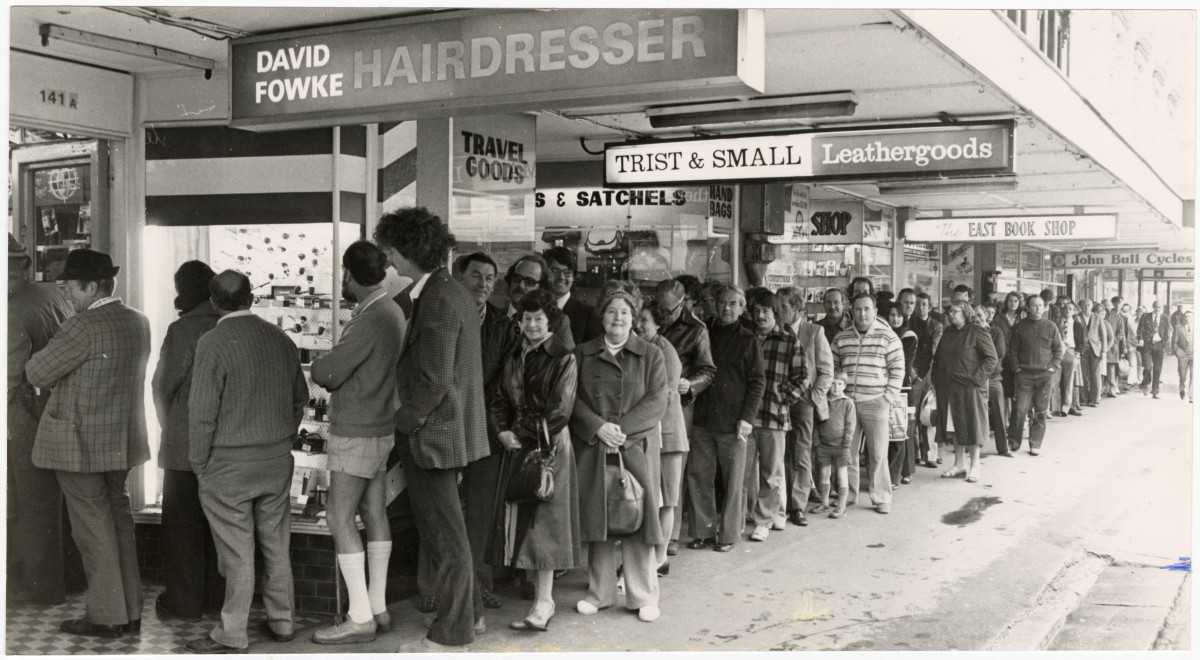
93, 432
441, 425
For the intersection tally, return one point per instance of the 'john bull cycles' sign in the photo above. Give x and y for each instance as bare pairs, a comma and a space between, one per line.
872, 154
1122, 259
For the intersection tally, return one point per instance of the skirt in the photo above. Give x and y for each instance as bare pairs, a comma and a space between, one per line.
966, 408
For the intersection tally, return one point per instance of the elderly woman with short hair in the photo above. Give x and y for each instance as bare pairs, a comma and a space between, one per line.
621, 398
962, 369
532, 403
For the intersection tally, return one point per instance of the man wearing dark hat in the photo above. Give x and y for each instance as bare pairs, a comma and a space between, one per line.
35, 555
93, 432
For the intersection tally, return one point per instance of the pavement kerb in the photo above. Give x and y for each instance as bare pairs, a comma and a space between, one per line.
1061, 595
1175, 634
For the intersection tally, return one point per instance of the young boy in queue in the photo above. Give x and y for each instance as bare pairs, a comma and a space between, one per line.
833, 448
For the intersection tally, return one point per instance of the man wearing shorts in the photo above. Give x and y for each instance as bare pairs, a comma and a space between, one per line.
360, 373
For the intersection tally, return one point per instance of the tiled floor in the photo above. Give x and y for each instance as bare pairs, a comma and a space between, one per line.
33, 630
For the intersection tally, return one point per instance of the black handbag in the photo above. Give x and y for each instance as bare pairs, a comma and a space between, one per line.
624, 494
532, 478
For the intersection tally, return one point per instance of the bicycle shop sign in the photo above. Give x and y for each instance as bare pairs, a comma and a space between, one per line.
900, 152
490, 62
1122, 259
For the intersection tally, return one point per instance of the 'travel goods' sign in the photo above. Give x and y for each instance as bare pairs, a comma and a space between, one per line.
1121, 259
1012, 228
873, 154
489, 62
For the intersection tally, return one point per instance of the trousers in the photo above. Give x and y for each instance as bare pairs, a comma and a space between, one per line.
190, 571
245, 501
102, 524
996, 415
873, 433
764, 480
1032, 402
641, 577
798, 458
440, 523
1152, 360
712, 452
1068, 395
1093, 372
35, 549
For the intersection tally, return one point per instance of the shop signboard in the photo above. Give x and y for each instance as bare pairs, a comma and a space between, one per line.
1122, 259
821, 222
633, 208
1165, 274
492, 178
881, 153
1040, 228
487, 62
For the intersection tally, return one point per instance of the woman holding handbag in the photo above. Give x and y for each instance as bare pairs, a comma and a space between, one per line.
620, 400
530, 411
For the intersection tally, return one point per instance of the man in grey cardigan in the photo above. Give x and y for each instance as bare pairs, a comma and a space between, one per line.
360, 372
247, 400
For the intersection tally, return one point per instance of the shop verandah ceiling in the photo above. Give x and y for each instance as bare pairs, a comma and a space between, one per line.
896, 73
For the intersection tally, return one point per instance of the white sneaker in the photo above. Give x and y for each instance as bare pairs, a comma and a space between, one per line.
780, 523
649, 614
584, 607
760, 533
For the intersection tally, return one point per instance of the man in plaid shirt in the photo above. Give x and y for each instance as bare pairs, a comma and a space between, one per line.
786, 381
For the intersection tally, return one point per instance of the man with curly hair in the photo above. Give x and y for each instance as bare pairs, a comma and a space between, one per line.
441, 424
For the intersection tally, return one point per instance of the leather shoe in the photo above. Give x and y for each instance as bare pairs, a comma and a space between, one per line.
89, 629
264, 627
209, 646
673, 548
537, 620
134, 627
698, 544
1059, 413
1155, 395
345, 631
723, 547
797, 518
1075, 413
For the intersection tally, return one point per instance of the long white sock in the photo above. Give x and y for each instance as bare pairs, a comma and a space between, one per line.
378, 553
354, 570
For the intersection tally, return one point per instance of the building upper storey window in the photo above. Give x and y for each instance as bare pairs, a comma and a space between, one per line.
1049, 29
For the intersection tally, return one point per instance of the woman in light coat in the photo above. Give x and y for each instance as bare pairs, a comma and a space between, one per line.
620, 400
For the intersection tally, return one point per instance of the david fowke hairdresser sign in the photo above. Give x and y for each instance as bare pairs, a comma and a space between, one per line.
873, 154
480, 61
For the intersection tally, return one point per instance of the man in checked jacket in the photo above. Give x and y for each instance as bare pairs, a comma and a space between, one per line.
441, 425
93, 431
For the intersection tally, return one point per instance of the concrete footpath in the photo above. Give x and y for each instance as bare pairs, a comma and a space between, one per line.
1058, 551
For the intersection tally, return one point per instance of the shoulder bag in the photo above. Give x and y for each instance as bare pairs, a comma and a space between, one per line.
624, 498
532, 477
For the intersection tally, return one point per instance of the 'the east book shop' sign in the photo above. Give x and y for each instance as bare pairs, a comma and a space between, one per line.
1012, 228
480, 61
869, 154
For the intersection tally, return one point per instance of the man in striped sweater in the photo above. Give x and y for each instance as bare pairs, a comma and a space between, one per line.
247, 400
871, 355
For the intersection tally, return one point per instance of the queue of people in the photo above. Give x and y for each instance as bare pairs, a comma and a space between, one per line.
583, 435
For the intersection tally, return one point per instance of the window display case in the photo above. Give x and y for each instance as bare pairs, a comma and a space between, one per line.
62, 201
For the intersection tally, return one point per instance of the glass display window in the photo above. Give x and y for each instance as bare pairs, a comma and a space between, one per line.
1031, 263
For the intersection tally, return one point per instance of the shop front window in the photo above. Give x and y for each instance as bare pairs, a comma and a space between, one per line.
1031, 263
